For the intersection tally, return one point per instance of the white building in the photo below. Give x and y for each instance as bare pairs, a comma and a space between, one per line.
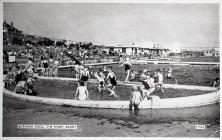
174, 47
119, 49
216, 51
212, 52
137, 48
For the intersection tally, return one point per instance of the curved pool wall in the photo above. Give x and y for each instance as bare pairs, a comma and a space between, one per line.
181, 102
189, 101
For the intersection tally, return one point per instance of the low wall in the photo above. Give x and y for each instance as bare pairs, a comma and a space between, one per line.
181, 102
173, 62
93, 64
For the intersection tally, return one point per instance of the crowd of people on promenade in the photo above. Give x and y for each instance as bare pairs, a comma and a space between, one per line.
49, 67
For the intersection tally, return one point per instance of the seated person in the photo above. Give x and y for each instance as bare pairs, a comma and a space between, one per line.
21, 86
9, 78
29, 86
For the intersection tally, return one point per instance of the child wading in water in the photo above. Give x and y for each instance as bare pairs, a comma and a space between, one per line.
159, 83
101, 79
81, 92
169, 73
132, 75
84, 75
135, 98
128, 66
149, 86
112, 82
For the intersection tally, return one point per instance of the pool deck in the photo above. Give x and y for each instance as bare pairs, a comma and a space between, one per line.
173, 62
147, 62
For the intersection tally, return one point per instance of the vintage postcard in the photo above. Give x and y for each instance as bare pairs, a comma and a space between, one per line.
111, 69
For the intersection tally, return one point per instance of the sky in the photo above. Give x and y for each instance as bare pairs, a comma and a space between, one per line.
190, 25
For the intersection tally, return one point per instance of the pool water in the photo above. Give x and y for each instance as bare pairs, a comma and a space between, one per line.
197, 75
66, 90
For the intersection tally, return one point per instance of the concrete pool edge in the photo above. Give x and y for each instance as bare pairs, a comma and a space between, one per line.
180, 102
146, 62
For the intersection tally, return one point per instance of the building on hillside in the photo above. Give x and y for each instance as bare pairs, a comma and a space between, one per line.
9, 28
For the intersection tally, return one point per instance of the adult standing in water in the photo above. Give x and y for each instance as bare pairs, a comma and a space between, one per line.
128, 66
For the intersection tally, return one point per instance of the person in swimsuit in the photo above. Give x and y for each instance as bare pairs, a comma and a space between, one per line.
143, 75
41, 66
45, 66
169, 73
82, 93
84, 75
77, 71
132, 75
51, 64
135, 98
18, 75
159, 83
55, 67
101, 79
216, 83
30, 82
112, 82
128, 66
149, 86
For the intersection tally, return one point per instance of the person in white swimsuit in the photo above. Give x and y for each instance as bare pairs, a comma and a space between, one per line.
82, 93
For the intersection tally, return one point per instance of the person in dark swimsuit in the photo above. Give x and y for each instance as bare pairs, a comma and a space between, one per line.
45, 66
84, 75
112, 80
128, 66
101, 79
